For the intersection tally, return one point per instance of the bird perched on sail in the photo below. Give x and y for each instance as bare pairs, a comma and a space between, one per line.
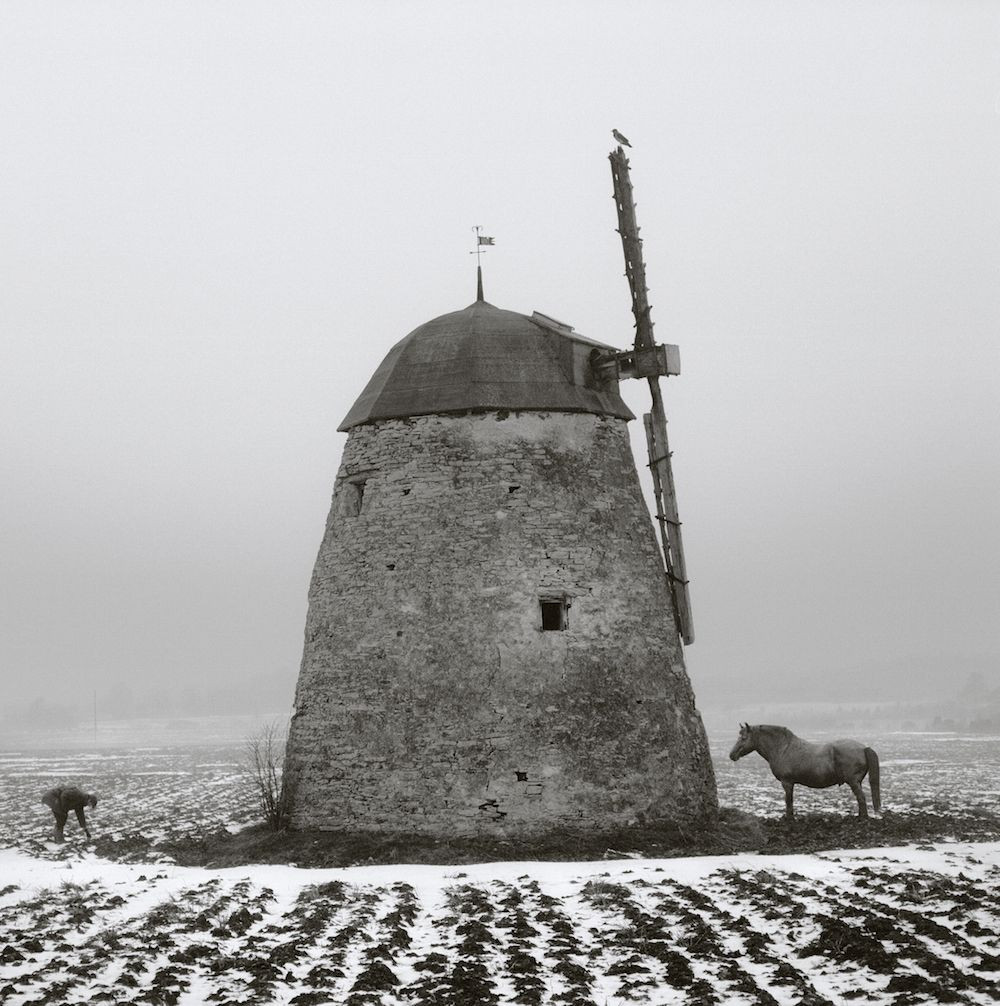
623, 140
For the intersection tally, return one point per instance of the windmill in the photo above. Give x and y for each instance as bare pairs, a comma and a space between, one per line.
649, 360
445, 688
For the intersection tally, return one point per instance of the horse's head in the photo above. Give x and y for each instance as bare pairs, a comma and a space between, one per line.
745, 743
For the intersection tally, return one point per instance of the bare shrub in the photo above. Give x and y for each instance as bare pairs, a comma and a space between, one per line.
265, 761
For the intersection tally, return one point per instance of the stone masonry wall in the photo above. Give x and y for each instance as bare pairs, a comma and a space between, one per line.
430, 699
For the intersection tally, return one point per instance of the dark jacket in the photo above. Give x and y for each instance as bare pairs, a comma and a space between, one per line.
63, 799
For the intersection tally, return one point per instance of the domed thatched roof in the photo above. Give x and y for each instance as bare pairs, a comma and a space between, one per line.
486, 359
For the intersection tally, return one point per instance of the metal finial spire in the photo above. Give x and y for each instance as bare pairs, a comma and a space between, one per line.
481, 239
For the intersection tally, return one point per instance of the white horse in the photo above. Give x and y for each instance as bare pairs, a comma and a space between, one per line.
794, 760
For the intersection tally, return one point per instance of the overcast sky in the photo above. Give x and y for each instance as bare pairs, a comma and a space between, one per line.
216, 219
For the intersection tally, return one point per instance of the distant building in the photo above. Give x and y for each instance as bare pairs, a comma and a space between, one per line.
490, 645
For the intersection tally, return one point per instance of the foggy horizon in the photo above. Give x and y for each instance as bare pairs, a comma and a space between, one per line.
219, 220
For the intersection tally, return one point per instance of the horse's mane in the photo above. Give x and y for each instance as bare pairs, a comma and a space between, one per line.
774, 730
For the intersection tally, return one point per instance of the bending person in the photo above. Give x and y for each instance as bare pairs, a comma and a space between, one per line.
61, 800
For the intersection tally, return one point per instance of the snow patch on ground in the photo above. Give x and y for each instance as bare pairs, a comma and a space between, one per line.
888, 923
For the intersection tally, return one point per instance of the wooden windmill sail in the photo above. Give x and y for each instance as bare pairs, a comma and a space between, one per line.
650, 360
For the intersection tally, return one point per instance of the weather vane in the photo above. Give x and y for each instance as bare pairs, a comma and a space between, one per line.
481, 241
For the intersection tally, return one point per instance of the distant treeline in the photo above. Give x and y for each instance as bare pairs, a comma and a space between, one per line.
974, 708
121, 700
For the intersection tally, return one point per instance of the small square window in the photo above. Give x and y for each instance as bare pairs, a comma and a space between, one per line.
554, 614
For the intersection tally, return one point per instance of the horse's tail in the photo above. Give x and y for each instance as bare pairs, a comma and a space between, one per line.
871, 760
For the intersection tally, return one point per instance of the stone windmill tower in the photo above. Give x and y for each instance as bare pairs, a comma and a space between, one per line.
492, 644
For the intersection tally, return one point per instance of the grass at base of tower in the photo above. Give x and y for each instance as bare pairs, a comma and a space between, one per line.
733, 832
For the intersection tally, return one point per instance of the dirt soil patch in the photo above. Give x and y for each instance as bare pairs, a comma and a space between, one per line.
733, 831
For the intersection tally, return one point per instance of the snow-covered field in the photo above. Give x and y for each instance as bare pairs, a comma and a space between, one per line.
913, 925
901, 925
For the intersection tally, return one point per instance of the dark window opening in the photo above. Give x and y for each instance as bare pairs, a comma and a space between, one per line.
554, 615
350, 493
354, 494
